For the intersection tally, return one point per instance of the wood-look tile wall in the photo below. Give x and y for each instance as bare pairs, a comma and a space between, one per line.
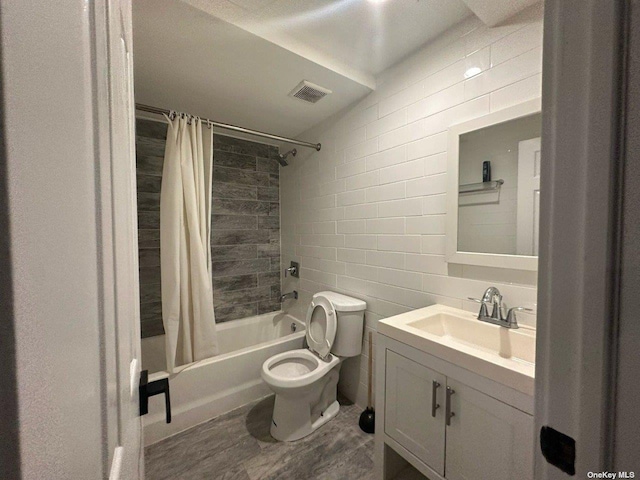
245, 226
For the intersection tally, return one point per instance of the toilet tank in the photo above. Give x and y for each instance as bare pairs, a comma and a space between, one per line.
350, 323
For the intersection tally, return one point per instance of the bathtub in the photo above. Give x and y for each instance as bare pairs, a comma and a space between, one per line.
208, 388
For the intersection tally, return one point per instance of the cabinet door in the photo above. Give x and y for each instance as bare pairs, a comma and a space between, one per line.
487, 439
409, 418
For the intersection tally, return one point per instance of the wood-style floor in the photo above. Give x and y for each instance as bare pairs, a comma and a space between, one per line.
238, 446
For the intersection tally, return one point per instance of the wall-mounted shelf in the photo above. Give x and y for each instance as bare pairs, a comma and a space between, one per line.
480, 187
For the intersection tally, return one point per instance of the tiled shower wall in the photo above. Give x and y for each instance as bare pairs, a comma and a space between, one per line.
366, 215
245, 226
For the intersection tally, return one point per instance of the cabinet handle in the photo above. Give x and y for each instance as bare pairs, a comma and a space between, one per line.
434, 405
449, 414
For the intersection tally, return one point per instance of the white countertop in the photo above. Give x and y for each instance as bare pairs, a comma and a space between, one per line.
506, 356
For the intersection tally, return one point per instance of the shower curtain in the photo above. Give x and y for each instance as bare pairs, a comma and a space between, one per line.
185, 252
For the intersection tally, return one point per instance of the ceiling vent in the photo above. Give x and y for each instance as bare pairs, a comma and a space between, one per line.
309, 92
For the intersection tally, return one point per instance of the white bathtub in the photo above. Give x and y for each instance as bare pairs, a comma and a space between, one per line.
208, 388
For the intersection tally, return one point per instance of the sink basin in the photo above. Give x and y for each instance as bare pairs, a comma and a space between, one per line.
507, 343
457, 336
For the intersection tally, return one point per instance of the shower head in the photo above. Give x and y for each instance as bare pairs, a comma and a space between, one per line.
282, 157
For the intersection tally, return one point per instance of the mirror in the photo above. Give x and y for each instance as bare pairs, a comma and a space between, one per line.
494, 189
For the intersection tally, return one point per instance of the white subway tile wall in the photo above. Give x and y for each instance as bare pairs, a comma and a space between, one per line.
366, 215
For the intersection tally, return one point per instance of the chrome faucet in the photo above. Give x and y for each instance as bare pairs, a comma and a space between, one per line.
293, 295
492, 296
293, 270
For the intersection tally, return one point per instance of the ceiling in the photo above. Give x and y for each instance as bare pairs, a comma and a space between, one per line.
186, 60
494, 12
358, 38
236, 61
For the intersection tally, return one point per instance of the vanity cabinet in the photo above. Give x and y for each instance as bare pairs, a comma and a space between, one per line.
414, 416
444, 427
487, 438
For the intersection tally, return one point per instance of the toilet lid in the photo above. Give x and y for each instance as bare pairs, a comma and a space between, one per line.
321, 326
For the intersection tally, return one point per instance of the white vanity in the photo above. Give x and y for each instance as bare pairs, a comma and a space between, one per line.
454, 396
455, 389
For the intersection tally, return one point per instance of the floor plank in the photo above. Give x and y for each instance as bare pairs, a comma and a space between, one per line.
238, 446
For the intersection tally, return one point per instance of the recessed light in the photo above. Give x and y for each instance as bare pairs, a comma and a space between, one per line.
377, 1
472, 72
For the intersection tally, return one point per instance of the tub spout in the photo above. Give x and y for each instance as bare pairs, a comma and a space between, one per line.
293, 294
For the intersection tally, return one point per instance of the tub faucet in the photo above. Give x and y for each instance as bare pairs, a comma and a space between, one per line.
293, 295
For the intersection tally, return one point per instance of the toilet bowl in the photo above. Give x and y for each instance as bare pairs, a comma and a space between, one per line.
305, 381
305, 388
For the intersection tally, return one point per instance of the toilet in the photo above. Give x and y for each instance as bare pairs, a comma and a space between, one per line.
305, 381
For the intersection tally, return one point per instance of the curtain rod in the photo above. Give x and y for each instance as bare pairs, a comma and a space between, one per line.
226, 126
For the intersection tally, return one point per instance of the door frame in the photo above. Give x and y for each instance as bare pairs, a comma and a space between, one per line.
583, 99
627, 389
116, 177
527, 213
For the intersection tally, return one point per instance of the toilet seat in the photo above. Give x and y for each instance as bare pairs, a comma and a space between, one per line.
296, 368
321, 325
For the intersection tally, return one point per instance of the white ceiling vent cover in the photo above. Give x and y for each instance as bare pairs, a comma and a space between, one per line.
309, 92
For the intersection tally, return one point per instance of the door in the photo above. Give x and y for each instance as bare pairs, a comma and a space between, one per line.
414, 409
528, 208
578, 278
487, 439
123, 348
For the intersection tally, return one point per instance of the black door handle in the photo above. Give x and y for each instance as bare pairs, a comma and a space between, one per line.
149, 389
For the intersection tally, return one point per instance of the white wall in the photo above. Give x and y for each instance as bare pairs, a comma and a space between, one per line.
48, 167
365, 215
